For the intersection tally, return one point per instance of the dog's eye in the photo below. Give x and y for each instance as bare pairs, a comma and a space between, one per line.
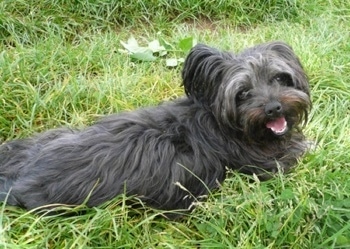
284, 79
243, 95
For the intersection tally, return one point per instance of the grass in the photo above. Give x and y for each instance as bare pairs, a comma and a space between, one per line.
60, 65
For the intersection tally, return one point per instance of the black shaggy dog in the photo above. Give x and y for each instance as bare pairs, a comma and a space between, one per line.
241, 111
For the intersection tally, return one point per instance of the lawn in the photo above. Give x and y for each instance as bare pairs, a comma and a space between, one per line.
62, 64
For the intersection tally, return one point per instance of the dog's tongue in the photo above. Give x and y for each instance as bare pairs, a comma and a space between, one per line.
278, 126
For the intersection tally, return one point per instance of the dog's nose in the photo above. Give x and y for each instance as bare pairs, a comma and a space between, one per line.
273, 109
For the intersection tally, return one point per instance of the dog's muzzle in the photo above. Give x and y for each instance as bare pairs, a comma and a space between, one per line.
277, 124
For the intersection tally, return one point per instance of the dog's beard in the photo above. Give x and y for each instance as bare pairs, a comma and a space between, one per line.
257, 126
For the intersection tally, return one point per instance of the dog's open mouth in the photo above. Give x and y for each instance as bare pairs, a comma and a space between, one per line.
278, 126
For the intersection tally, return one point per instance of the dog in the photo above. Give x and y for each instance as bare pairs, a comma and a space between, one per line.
241, 111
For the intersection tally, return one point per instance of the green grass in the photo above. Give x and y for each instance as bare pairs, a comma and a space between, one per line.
60, 65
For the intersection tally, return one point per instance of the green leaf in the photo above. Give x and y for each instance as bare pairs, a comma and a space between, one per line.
146, 55
131, 45
166, 45
181, 60
172, 62
157, 48
187, 43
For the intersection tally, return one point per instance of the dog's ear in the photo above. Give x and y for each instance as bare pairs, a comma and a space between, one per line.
202, 72
286, 53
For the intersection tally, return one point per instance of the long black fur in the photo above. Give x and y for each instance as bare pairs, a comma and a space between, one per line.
170, 154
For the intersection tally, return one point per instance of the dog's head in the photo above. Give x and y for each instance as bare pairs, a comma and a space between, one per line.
262, 91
